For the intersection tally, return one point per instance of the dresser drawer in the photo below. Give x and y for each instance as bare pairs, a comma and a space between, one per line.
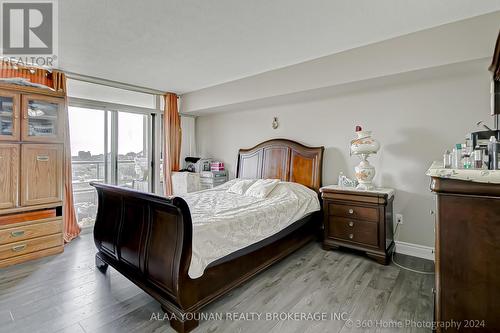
353, 212
353, 230
29, 246
6, 220
28, 231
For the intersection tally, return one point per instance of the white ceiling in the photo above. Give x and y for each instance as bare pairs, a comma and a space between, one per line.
186, 45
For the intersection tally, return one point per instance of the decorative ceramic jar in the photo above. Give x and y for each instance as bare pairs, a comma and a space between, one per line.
363, 146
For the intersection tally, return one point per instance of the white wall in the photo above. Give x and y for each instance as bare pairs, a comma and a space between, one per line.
188, 140
416, 116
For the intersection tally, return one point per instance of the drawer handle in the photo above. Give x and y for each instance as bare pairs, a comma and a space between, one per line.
351, 211
17, 233
351, 224
42, 158
19, 248
351, 236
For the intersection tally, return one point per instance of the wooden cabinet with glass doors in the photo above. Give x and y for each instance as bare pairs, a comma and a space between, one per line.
31, 174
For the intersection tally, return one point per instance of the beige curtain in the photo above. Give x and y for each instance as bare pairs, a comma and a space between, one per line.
71, 227
172, 141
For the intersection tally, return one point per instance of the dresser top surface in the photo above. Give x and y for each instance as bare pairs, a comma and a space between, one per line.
471, 175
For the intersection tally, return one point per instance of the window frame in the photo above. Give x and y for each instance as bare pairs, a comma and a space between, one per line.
153, 141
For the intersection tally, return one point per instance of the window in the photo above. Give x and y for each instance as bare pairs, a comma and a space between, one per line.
88, 156
111, 143
116, 138
133, 163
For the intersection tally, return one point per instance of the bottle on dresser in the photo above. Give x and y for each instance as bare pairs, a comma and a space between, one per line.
494, 153
447, 159
456, 156
466, 154
478, 158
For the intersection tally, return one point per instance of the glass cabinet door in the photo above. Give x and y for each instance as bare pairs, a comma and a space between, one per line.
9, 116
42, 119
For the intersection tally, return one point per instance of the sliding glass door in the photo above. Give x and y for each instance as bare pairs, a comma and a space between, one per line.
89, 155
133, 160
110, 146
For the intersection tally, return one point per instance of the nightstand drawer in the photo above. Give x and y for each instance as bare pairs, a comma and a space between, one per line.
353, 230
353, 212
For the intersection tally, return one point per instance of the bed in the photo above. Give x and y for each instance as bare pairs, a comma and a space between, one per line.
155, 242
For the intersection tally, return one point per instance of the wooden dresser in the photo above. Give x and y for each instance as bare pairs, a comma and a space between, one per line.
31, 178
361, 220
467, 254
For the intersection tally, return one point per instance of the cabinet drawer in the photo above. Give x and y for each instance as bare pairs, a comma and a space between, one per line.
353, 230
29, 246
11, 219
354, 212
34, 230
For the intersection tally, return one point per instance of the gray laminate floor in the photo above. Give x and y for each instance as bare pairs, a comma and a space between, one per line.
65, 293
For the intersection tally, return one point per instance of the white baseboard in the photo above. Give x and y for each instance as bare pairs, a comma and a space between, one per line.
415, 250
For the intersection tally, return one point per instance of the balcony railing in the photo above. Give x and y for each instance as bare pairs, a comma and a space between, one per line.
85, 197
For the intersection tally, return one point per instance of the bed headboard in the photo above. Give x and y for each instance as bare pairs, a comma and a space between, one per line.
282, 159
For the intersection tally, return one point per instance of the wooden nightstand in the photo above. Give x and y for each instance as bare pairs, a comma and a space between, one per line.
360, 220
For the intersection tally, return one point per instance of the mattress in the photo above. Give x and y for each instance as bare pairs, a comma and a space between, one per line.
225, 222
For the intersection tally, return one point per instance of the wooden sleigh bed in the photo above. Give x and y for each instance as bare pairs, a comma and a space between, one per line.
148, 238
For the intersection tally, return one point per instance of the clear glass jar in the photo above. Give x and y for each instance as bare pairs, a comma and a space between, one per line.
447, 159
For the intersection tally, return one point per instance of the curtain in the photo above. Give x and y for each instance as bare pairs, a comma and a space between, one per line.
71, 227
495, 64
171, 142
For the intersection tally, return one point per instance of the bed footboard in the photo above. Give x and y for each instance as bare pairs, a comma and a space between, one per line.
148, 239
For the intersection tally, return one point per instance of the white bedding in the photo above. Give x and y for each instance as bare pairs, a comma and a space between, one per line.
225, 222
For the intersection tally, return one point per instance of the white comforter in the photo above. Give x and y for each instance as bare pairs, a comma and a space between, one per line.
225, 222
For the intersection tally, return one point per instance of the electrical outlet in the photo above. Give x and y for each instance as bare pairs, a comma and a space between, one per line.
399, 218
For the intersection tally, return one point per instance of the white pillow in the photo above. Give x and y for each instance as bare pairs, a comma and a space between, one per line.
241, 186
261, 188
